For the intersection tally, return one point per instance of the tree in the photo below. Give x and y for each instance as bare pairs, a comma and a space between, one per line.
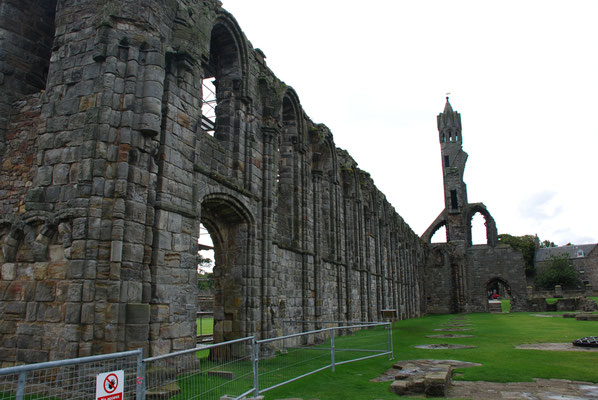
547, 243
560, 271
205, 276
527, 245
205, 281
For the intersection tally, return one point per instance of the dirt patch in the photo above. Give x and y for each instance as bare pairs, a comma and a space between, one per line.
444, 346
453, 329
449, 336
564, 315
555, 347
549, 389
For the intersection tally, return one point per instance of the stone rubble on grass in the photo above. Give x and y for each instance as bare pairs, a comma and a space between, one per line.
416, 377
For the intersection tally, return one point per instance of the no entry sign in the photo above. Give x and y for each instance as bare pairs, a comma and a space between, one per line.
109, 385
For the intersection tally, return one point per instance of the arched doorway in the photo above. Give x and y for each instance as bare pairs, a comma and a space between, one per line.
230, 227
498, 291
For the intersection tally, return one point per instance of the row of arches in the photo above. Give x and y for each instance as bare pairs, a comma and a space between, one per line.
299, 232
326, 219
479, 226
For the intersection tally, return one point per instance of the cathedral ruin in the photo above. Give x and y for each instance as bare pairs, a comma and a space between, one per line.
125, 125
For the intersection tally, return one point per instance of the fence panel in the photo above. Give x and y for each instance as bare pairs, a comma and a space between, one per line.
234, 369
358, 342
288, 358
206, 372
72, 379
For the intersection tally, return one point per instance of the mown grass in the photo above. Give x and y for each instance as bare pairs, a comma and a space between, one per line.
495, 336
205, 326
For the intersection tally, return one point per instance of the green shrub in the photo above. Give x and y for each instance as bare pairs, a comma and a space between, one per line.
560, 271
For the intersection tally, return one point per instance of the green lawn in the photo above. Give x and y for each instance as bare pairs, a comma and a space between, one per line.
205, 326
496, 336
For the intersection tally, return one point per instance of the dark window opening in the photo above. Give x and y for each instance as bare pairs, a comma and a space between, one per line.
454, 204
446, 161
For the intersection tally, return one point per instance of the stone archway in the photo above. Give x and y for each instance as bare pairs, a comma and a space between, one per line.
491, 233
497, 289
231, 228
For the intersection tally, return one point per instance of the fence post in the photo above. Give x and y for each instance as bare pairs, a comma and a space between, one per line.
140, 379
21, 385
255, 360
392, 351
332, 349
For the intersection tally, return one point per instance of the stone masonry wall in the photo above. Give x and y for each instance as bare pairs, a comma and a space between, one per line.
110, 175
501, 262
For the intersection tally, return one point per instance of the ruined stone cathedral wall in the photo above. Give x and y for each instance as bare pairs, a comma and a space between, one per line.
107, 173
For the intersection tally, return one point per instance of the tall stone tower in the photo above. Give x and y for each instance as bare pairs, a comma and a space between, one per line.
453, 167
458, 273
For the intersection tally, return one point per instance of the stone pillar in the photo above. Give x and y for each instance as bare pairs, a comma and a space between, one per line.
349, 257
270, 137
317, 227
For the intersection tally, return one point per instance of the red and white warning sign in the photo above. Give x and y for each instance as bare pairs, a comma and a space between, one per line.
109, 385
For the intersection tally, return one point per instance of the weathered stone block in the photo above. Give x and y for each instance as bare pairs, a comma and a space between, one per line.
9, 271
136, 333
72, 313
8, 327
160, 313
45, 291
31, 356
400, 387
48, 312
87, 313
137, 313
31, 329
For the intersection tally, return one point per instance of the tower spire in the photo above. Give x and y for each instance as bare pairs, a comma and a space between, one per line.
449, 124
447, 106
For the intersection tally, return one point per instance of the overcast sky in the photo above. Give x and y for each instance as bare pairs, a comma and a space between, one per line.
523, 75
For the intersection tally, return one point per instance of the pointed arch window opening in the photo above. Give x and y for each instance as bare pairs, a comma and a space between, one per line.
479, 230
205, 246
440, 235
208, 105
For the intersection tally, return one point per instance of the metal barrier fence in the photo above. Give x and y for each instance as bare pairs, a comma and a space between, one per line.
205, 372
234, 369
71, 379
299, 326
287, 358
